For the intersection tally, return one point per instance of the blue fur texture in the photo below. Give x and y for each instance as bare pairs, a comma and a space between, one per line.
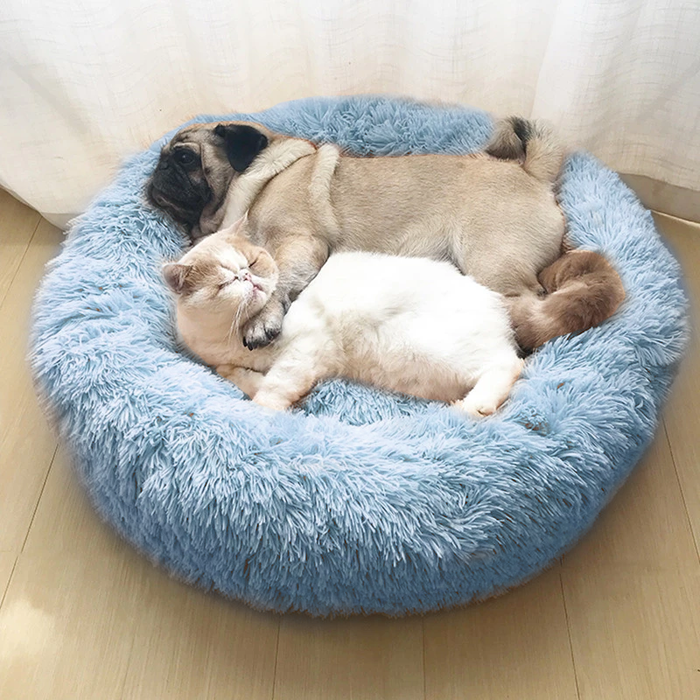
361, 501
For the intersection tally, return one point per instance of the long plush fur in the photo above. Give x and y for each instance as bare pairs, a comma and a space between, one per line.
363, 501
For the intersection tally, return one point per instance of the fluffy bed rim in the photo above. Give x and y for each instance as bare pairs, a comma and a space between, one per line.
361, 502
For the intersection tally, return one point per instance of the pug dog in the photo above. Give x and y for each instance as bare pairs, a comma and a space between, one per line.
493, 214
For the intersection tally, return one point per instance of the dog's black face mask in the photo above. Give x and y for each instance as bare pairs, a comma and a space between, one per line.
178, 185
195, 169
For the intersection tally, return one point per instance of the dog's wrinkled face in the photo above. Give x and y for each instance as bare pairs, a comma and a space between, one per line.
195, 169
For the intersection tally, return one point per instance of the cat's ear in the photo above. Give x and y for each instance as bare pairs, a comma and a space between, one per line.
175, 275
237, 227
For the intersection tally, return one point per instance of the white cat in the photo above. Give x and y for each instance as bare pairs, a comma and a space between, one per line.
411, 325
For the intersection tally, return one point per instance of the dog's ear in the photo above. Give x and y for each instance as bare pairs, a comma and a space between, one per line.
175, 275
243, 143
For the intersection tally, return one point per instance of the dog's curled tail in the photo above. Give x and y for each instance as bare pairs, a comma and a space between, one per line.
532, 143
582, 290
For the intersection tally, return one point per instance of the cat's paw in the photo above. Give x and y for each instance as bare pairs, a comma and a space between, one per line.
271, 401
226, 371
247, 380
476, 408
262, 329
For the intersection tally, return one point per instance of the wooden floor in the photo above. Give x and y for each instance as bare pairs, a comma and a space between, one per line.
85, 616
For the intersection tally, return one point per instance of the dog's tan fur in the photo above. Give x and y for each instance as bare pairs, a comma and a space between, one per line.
495, 218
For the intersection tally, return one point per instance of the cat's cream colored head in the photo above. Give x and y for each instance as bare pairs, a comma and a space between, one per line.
224, 278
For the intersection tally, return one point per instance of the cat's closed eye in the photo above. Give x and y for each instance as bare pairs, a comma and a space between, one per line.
230, 276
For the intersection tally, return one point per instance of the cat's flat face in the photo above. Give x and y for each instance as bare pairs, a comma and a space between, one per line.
223, 275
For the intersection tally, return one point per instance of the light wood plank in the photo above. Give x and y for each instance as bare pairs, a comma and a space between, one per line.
515, 646
26, 443
188, 644
65, 518
17, 225
646, 522
7, 562
682, 413
371, 658
635, 632
66, 626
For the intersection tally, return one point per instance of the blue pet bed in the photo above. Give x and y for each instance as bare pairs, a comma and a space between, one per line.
362, 501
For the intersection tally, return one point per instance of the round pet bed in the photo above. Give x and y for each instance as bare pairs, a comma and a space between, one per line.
361, 501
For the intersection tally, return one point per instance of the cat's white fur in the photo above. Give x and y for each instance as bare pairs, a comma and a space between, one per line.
411, 325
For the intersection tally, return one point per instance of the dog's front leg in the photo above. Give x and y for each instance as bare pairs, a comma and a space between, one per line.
299, 258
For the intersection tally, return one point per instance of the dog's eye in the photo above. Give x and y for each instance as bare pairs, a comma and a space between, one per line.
185, 157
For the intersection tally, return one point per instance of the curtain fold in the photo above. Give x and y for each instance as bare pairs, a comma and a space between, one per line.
84, 84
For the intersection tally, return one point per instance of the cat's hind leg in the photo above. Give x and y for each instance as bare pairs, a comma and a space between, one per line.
491, 389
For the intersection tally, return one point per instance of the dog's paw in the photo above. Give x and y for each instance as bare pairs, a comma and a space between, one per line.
262, 329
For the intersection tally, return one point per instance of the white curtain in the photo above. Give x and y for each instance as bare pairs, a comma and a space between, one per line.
83, 83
